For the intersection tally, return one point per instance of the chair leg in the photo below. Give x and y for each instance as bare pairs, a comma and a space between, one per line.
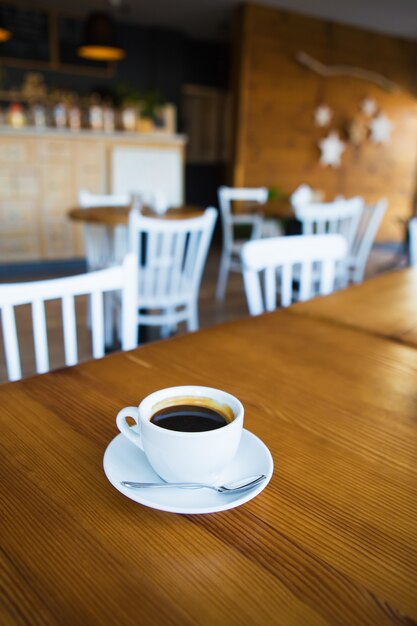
88, 315
223, 275
192, 319
358, 275
108, 319
164, 332
118, 315
168, 329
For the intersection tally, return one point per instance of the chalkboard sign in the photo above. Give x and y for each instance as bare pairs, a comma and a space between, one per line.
70, 32
31, 34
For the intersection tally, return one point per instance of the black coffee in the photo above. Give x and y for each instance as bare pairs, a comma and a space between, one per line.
188, 418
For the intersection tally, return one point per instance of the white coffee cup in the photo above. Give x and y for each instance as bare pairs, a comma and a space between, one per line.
185, 456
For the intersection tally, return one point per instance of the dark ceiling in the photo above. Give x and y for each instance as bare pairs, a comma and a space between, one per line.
210, 19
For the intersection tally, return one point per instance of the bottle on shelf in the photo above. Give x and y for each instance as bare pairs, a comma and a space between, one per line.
38, 115
108, 117
95, 113
16, 117
59, 111
74, 114
169, 114
129, 117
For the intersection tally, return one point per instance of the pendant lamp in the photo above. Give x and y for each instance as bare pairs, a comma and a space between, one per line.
5, 33
99, 42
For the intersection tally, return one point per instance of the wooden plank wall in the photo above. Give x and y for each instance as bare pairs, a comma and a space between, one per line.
275, 98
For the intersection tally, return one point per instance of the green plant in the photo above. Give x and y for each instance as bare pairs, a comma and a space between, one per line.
274, 193
147, 102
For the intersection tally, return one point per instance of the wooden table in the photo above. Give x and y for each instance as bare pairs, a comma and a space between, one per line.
280, 208
118, 215
385, 305
331, 540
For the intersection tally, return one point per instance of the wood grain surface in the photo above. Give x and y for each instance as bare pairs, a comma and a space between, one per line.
113, 215
276, 138
331, 540
280, 208
385, 305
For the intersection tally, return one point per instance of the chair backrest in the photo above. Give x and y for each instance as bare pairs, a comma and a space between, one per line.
412, 231
98, 246
369, 223
315, 255
89, 200
302, 196
36, 293
172, 254
227, 195
339, 217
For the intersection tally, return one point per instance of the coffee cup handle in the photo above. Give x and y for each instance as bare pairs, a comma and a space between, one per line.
125, 429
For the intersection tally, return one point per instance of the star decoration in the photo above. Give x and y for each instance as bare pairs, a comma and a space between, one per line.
357, 131
369, 106
331, 149
323, 115
381, 129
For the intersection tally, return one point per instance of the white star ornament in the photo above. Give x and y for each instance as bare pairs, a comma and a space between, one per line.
381, 129
369, 106
331, 150
323, 115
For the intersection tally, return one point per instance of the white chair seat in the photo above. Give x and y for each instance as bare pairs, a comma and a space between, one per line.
271, 228
183, 293
237, 246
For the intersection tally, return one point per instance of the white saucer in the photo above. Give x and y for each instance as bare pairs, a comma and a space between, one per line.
124, 461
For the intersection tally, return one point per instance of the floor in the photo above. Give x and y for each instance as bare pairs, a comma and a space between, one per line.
211, 312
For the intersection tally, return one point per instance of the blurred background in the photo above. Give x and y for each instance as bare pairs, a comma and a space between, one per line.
199, 94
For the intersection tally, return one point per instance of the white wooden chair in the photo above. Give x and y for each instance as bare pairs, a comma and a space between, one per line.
369, 223
230, 258
171, 254
339, 217
93, 284
302, 196
103, 246
277, 258
412, 232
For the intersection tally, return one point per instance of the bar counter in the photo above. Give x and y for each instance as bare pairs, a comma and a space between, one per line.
41, 172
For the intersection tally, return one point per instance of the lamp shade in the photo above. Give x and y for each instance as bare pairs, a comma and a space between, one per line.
5, 33
99, 42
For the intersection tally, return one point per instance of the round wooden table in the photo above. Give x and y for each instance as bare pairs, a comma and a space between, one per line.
112, 216
279, 208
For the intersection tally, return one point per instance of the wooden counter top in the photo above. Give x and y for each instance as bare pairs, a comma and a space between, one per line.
119, 135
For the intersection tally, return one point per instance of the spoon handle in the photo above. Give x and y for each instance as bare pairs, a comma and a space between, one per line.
240, 485
133, 485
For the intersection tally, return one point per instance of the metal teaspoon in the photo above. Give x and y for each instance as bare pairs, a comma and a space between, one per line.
241, 485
